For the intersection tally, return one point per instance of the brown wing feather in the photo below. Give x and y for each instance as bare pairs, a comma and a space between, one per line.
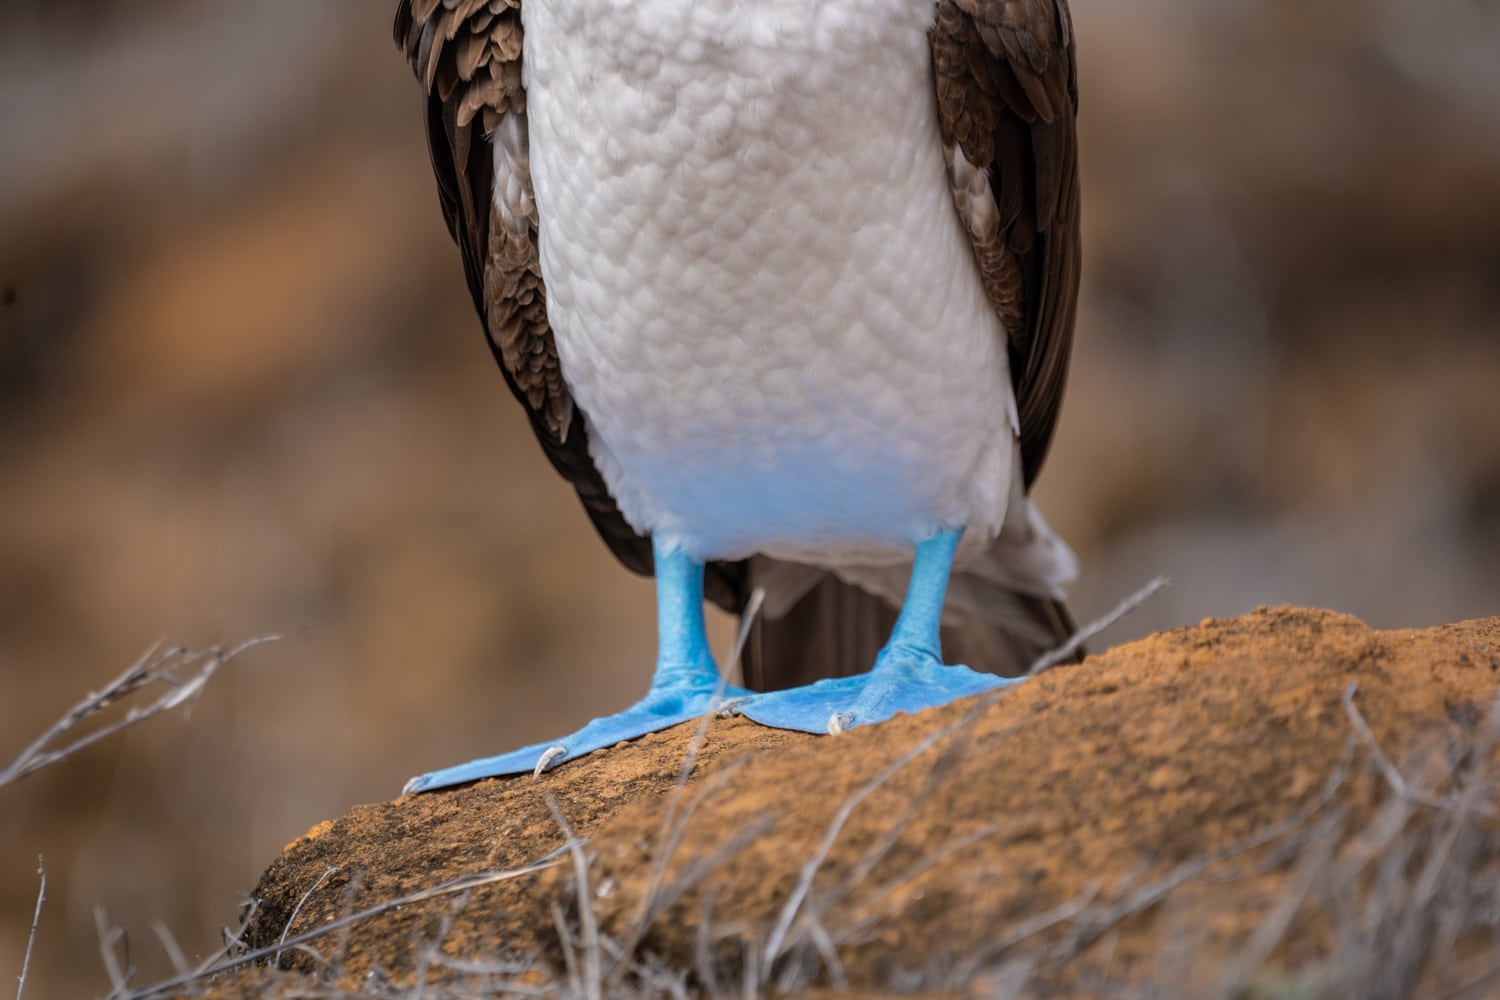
1008, 98
467, 55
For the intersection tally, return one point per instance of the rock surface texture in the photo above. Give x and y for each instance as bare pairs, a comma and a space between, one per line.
1283, 804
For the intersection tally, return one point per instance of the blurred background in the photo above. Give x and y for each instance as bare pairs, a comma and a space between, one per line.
242, 392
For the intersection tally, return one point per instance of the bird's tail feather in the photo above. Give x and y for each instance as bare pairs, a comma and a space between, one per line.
816, 624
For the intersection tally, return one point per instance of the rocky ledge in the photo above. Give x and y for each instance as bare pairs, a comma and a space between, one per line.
1283, 804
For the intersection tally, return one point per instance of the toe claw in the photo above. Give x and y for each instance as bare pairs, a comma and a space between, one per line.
552, 755
729, 708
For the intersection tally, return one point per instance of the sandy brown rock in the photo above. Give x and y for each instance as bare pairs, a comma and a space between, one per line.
1145, 817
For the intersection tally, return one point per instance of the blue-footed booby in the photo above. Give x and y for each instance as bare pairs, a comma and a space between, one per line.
787, 290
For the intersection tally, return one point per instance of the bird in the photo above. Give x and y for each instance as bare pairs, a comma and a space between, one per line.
786, 289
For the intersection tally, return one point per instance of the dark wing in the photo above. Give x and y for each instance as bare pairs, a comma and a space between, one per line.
467, 56
1007, 95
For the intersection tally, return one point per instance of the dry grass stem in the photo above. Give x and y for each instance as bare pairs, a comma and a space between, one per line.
909, 875
654, 901
1075, 642
276, 960
588, 919
109, 940
669, 834
168, 987
156, 667
1066, 912
1100, 918
1392, 774
696, 870
1308, 872
793, 905
175, 954
36, 920
742, 633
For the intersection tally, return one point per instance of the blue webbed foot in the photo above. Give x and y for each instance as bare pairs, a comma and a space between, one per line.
663, 707
686, 685
902, 681
908, 676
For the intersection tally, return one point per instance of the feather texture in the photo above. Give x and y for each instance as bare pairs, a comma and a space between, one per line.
1005, 86
1007, 92
467, 56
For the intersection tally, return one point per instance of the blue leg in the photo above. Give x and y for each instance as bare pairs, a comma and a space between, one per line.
685, 686
908, 675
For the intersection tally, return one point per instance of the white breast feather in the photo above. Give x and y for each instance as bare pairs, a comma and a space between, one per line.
763, 299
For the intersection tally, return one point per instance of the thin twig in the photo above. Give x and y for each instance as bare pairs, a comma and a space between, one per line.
276, 961
155, 666
775, 942
793, 904
1152, 893
570, 957
588, 920
857, 875
703, 948
119, 979
1310, 869
913, 872
234, 943
1051, 659
36, 919
1030, 928
1388, 770
351, 893
742, 634
823, 942
432, 946
174, 951
698, 869
1392, 775
672, 827
462, 884
862, 868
